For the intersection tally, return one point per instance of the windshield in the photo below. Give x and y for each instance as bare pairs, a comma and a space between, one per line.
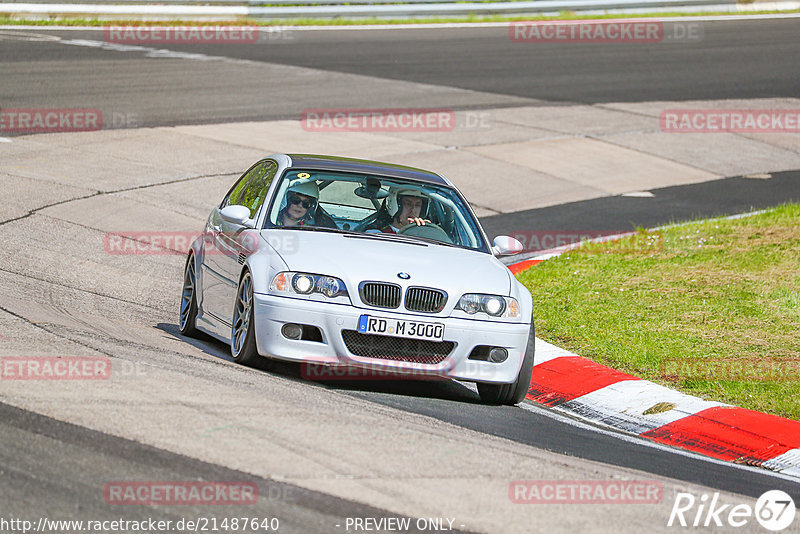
373, 205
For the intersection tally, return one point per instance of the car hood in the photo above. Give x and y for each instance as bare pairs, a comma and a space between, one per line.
357, 258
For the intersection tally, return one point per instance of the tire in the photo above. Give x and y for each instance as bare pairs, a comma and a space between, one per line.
188, 312
513, 393
243, 336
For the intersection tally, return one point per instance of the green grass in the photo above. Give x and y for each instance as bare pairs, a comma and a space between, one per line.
711, 308
5, 19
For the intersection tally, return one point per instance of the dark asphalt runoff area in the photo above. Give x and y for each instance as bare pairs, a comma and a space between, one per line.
616, 214
731, 59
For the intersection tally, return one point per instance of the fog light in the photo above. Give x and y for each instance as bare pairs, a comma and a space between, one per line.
498, 355
292, 331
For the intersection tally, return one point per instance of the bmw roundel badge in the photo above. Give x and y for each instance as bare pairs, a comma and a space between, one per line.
403, 276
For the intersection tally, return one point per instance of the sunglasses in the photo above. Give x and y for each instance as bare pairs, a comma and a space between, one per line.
307, 204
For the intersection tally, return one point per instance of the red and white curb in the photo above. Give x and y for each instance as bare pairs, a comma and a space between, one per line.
579, 387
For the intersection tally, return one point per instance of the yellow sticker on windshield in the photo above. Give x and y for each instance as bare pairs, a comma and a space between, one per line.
304, 175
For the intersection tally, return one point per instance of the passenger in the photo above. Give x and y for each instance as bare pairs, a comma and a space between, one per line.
407, 206
299, 205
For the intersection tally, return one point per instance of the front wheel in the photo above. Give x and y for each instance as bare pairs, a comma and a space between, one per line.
514, 392
243, 336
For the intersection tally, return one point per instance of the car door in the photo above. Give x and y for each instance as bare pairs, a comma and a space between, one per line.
230, 243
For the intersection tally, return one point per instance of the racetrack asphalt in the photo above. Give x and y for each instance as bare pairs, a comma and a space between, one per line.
438, 435
460, 68
619, 213
60, 464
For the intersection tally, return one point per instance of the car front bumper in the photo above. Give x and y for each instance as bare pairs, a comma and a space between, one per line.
272, 312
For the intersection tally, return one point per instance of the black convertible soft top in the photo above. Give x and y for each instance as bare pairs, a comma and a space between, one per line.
364, 166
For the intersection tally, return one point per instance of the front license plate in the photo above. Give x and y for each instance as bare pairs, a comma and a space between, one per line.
384, 326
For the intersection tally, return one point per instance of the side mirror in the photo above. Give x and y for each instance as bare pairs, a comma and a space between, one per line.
504, 245
237, 215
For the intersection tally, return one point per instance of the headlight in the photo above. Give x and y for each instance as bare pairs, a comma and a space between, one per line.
470, 303
493, 305
306, 284
330, 286
303, 283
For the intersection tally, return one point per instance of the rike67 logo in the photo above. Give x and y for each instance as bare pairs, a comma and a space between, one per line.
774, 511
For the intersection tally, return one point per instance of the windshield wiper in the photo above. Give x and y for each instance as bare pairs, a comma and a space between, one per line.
414, 240
394, 237
411, 238
316, 229
434, 241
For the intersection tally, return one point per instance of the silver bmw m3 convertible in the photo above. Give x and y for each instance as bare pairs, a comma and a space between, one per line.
336, 261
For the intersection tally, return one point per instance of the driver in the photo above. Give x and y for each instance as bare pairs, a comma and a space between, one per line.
407, 205
299, 204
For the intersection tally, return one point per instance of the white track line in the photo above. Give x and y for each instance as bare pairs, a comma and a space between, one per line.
451, 25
